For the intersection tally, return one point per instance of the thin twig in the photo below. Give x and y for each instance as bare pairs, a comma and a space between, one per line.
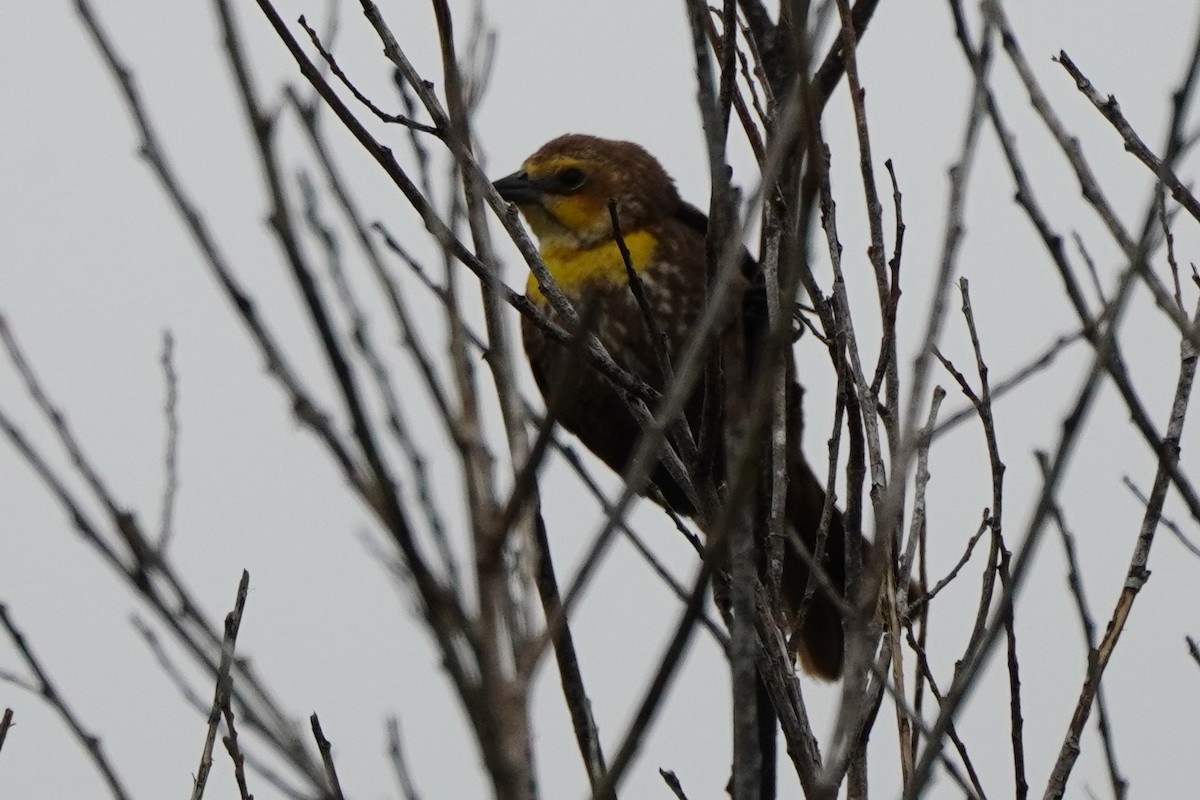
987, 419
1111, 111
1193, 649
672, 781
230, 740
1090, 263
171, 448
1013, 381
1167, 523
399, 762
579, 705
326, 749
399, 119
175, 675
221, 693
951, 733
6, 721
985, 525
654, 331
663, 676
897, 607
1075, 582
50, 694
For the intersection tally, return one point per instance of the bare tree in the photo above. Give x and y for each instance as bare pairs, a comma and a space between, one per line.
765, 78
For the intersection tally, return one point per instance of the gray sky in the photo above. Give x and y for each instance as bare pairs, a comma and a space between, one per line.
96, 266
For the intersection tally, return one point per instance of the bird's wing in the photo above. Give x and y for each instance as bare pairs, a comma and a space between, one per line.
754, 298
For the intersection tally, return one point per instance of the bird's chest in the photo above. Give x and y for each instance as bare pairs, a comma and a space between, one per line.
619, 321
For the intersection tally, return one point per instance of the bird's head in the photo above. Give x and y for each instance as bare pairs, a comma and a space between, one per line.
564, 189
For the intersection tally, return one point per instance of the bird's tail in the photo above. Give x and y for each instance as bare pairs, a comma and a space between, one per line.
817, 635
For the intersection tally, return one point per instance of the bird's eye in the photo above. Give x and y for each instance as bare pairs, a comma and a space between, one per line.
569, 179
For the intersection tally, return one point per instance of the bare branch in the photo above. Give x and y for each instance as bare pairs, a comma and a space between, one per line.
359, 96
233, 622
171, 449
1167, 523
673, 783
326, 749
1075, 582
663, 676
1111, 111
45, 688
984, 525
306, 409
399, 762
6, 721
1138, 574
1193, 649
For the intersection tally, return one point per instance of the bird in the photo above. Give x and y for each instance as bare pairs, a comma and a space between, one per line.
564, 191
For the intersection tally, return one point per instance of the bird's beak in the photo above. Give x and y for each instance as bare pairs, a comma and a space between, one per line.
518, 188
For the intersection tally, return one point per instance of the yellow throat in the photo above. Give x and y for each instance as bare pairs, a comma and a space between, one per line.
573, 268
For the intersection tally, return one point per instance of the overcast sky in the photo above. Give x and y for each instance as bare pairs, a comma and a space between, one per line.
95, 266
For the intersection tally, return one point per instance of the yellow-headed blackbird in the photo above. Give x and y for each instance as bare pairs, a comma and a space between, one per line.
563, 191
